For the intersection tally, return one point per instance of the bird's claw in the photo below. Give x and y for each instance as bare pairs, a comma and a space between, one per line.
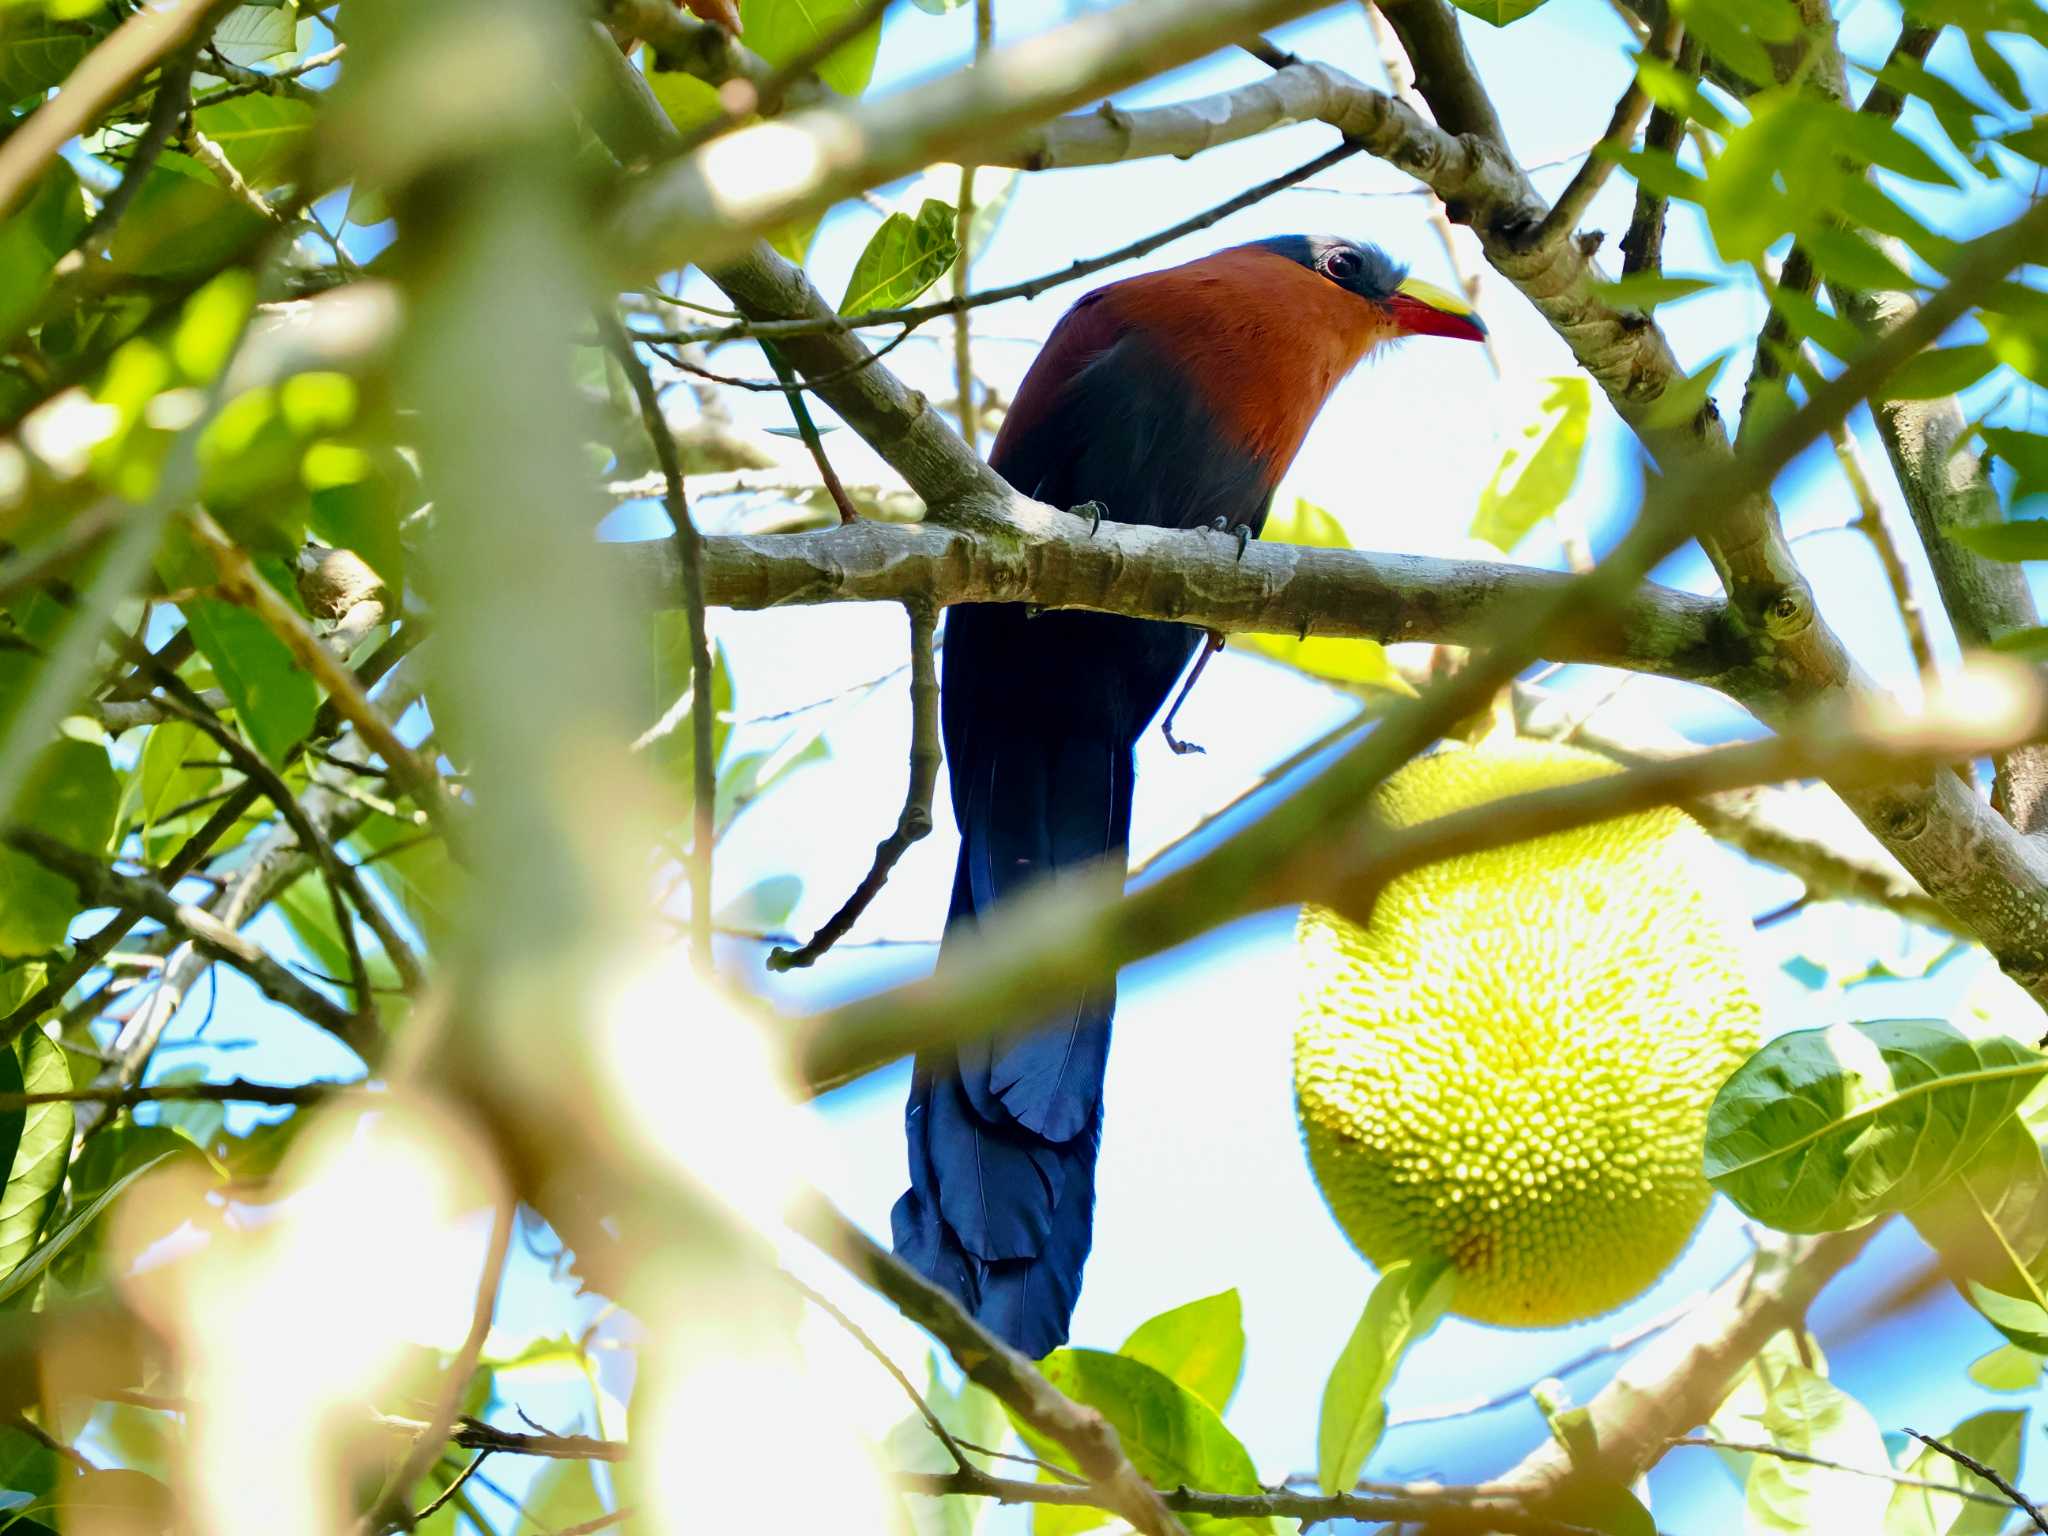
1094, 511
1181, 748
1242, 531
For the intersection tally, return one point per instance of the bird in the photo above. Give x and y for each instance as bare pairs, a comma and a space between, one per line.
1177, 399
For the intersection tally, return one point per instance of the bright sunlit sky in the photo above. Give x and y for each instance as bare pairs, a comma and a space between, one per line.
1203, 1185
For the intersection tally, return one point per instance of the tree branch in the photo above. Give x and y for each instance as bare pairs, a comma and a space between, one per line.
708, 207
1051, 559
1079, 1430
99, 886
915, 820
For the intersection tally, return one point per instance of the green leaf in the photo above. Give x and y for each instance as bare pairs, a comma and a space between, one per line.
1874, 140
41, 1150
71, 794
26, 1464
179, 765
1998, 72
1989, 1222
2024, 538
1941, 371
748, 777
255, 34
108, 1501
1848, 258
763, 907
1992, 1438
52, 1247
1678, 92
1659, 173
1498, 12
273, 699
1594, 1505
1544, 466
2026, 453
1822, 327
1726, 31
2021, 343
2007, 1368
37, 51
264, 137
668, 707
1804, 1412
1824, 1129
1405, 1304
1171, 1436
362, 516
1646, 290
564, 1494
1200, 1345
1348, 662
779, 30
32, 240
903, 258
413, 867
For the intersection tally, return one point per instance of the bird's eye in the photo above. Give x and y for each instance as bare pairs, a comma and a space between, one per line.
1341, 265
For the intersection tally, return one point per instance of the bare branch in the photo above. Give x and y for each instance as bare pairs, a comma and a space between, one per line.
237, 1091
99, 886
1990, 1475
915, 820
1786, 1453
1191, 577
707, 207
688, 544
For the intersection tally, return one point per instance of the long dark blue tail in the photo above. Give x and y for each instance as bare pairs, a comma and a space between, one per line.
1003, 1136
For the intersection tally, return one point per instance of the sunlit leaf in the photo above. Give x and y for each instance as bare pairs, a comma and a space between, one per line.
1171, 1436
779, 30
971, 1414
1498, 12
1199, 1344
763, 907
2024, 538
902, 259
1989, 1223
2027, 453
37, 50
2007, 1368
1660, 174
1941, 371
1823, 1129
32, 239
1848, 258
1348, 662
1646, 290
42, 1146
71, 794
255, 34
1405, 1304
1804, 1412
52, 1247
1536, 475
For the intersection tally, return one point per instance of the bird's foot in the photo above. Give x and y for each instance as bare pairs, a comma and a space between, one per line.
1183, 748
1095, 512
1242, 531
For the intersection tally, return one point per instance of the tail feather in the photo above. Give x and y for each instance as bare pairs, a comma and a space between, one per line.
1004, 1134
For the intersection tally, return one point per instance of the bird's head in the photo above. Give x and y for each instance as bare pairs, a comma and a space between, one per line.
1416, 308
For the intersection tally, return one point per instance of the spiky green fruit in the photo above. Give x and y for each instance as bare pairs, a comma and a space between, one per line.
1509, 1066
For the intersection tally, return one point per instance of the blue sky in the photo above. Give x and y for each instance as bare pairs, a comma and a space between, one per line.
1203, 1185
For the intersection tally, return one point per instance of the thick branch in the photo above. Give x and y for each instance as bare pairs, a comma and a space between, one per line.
1678, 1381
1191, 577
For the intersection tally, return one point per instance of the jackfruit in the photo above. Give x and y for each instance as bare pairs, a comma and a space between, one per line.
1509, 1065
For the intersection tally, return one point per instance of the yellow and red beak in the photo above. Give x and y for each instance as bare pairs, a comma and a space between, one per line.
1423, 309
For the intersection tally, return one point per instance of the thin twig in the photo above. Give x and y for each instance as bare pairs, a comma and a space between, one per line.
244, 81
807, 429
420, 1515
963, 325
1786, 1453
1870, 520
1080, 1430
215, 162
915, 820
173, 100
100, 886
1990, 1475
426, 1449
861, 1337
791, 386
1593, 171
1642, 245
918, 314
238, 1091
689, 545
